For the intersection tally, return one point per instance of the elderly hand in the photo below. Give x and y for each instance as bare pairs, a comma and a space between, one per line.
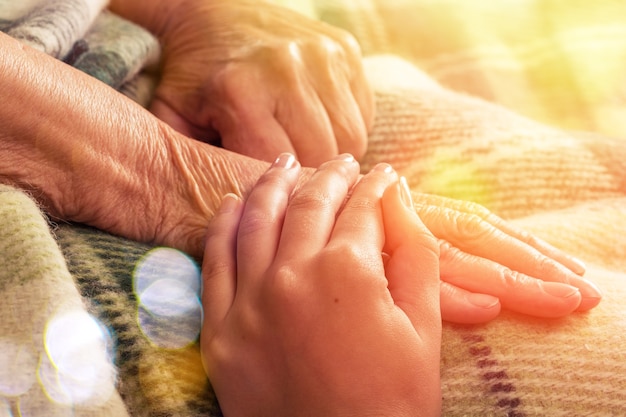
301, 316
262, 79
487, 262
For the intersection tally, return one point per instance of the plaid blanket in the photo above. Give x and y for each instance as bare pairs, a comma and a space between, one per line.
514, 104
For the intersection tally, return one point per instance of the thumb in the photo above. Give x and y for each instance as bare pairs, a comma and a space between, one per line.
413, 266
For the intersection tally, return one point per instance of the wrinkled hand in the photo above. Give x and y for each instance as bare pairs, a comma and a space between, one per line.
301, 316
263, 80
486, 262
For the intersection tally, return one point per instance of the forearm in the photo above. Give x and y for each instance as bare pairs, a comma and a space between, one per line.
90, 155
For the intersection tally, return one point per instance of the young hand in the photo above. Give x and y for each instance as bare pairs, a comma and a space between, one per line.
301, 315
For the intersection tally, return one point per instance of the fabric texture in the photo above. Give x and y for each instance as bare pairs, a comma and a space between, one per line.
516, 105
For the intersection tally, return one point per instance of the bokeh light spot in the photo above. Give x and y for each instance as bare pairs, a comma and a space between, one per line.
167, 285
78, 368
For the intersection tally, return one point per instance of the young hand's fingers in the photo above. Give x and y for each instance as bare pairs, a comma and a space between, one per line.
262, 219
360, 219
412, 268
470, 208
219, 265
516, 291
465, 307
313, 208
473, 235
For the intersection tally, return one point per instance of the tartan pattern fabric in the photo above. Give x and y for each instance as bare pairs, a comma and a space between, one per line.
514, 104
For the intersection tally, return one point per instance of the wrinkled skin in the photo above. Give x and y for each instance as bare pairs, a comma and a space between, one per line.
261, 79
314, 101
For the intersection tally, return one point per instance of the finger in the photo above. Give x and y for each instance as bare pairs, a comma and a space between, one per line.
306, 122
413, 265
243, 114
360, 219
516, 291
573, 264
331, 72
570, 262
219, 266
169, 115
262, 219
345, 116
465, 307
472, 234
314, 206
256, 133
361, 89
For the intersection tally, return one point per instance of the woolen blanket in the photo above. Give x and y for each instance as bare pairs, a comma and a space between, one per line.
516, 105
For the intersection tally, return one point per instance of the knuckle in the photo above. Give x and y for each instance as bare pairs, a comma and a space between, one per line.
285, 292
472, 227
350, 44
215, 267
448, 253
362, 204
513, 280
353, 259
311, 199
255, 221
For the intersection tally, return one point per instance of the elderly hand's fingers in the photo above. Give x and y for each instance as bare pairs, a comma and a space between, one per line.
345, 100
413, 265
314, 206
516, 291
465, 307
245, 117
219, 266
470, 208
307, 124
473, 235
262, 219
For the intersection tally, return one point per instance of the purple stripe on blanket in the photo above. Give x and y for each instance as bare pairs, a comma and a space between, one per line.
499, 385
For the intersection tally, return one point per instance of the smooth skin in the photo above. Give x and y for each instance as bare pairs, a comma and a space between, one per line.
303, 317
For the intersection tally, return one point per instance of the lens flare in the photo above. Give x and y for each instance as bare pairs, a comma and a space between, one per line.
167, 285
78, 368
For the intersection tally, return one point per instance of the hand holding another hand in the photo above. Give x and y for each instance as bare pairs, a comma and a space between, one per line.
301, 315
261, 79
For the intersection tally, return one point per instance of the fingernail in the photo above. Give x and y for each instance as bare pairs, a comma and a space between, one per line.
592, 295
383, 167
557, 289
229, 203
483, 300
592, 289
405, 193
580, 267
346, 157
285, 160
